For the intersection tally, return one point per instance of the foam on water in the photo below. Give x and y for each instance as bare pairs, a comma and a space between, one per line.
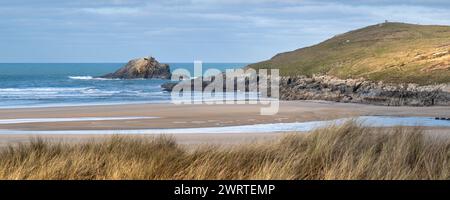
54, 92
81, 77
40, 89
95, 78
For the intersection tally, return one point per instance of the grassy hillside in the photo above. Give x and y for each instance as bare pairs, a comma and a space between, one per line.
391, 52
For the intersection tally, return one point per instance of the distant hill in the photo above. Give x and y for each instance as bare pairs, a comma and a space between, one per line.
390, 52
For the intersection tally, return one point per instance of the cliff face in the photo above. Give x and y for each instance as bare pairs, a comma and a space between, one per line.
363, 91
146, 68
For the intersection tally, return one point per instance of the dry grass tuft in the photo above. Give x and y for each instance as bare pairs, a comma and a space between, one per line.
339, 152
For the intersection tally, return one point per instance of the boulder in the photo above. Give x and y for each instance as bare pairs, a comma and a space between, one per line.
146, 68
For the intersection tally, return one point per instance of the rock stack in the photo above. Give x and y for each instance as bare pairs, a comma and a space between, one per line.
146, 68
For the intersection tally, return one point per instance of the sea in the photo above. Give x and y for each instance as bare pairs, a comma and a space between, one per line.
70, 84
24, 85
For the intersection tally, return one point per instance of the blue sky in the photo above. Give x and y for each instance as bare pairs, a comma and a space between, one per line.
187, 30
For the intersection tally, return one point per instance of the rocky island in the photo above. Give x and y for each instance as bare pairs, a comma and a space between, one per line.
146, 68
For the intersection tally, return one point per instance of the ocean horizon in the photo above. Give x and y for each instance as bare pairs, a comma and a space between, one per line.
25, 85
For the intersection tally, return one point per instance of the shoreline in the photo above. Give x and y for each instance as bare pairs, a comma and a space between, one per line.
196, 116
165, 116
202, 115
365, 121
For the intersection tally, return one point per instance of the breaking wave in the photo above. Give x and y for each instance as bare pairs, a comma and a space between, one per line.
90, 78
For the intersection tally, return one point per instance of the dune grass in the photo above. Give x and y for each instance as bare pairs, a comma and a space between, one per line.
338, 152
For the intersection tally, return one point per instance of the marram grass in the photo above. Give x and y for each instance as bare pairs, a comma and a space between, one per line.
338, 152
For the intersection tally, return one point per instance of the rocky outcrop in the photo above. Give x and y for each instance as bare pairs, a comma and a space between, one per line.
146, 68
354, 91
168, 86
362, 91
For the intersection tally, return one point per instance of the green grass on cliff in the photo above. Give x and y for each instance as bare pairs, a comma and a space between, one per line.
390, 52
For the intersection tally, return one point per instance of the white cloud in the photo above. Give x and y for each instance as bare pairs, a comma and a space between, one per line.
239, 26
114, 11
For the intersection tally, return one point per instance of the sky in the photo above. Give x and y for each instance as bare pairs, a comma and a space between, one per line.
187, 30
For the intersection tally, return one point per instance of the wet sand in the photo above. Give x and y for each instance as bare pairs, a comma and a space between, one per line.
190, 116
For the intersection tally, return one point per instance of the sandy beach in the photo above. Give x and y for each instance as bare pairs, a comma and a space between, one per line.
189, 116
193, 116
